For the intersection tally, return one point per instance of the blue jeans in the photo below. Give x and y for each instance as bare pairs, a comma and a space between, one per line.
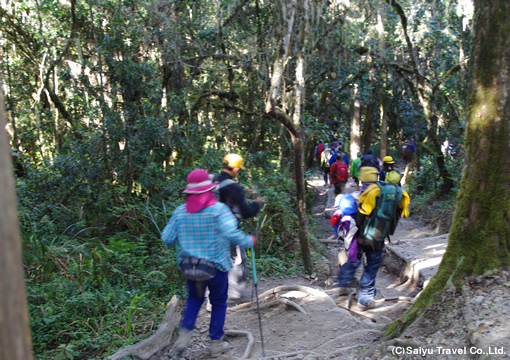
367, 289
218, 292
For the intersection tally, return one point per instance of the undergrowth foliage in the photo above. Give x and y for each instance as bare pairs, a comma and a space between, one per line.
98, 276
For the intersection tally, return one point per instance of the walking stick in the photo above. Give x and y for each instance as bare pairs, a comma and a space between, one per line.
257, 298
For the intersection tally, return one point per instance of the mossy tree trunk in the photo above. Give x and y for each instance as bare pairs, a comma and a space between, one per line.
479, 238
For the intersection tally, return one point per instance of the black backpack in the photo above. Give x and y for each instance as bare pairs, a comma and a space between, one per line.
383, 220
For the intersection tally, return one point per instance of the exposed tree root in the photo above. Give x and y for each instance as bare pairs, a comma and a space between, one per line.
274, 291
247, 306
242, 306
251, 341
156, 345
397, 299
305, 289
283, 301
329, 241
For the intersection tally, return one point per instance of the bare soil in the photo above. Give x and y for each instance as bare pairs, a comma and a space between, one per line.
303, 318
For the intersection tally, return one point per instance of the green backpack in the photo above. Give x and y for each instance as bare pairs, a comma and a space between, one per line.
383, 220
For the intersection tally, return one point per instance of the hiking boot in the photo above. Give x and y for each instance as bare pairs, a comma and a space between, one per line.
342, 291
218, 347
370, 305
182, 342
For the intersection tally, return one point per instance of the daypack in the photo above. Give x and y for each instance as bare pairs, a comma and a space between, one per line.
393, 177
221, 184
341, 172
370, 160
327, 156
320, 149
383, 220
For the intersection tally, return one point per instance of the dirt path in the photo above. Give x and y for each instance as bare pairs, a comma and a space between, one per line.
302, 318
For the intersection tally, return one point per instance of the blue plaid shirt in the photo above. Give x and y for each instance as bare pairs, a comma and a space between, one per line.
206, 234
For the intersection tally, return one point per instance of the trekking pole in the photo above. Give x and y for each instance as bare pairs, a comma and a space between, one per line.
257, 299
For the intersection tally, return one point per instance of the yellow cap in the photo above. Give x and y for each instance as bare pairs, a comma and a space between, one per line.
388, 160
234, 161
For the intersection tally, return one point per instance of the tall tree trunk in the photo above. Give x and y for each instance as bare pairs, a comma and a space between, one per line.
367, 125
297, 140
355, 145
15, 340
384, 126
479, 238
293, 126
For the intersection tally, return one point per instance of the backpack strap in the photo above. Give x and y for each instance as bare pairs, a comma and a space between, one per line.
225, 183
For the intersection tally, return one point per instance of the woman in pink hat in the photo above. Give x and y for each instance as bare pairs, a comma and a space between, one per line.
205, 228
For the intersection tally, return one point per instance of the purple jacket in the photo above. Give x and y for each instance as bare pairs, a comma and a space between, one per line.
347, 229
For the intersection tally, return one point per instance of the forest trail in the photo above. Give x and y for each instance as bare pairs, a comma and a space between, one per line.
303, 318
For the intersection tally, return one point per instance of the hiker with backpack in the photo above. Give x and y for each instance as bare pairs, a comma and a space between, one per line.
344, 157
380, 207
318, 152
388, 172
325, 166
231, 193
408, 150
204, 229
344, 225
370, 160
369, 168
355, 170
339, 173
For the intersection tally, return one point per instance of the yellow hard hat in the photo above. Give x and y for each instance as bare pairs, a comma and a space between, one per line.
388, 160
233, 161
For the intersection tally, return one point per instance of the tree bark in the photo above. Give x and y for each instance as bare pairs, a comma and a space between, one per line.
383, 151
367, 123
355, 145
479, 238
15, 340
293, 126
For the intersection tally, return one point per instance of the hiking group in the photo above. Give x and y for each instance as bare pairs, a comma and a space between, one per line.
211, 244
364, 219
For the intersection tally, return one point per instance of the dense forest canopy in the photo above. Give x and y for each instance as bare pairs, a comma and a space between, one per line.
110, 104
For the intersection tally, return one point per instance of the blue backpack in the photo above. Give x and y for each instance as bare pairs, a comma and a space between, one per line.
383, 220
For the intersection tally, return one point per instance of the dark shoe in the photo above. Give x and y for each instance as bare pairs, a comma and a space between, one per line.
342, 291
218, 347
370, 305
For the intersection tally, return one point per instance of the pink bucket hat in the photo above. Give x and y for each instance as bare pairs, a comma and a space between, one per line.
199, 182
198, 190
